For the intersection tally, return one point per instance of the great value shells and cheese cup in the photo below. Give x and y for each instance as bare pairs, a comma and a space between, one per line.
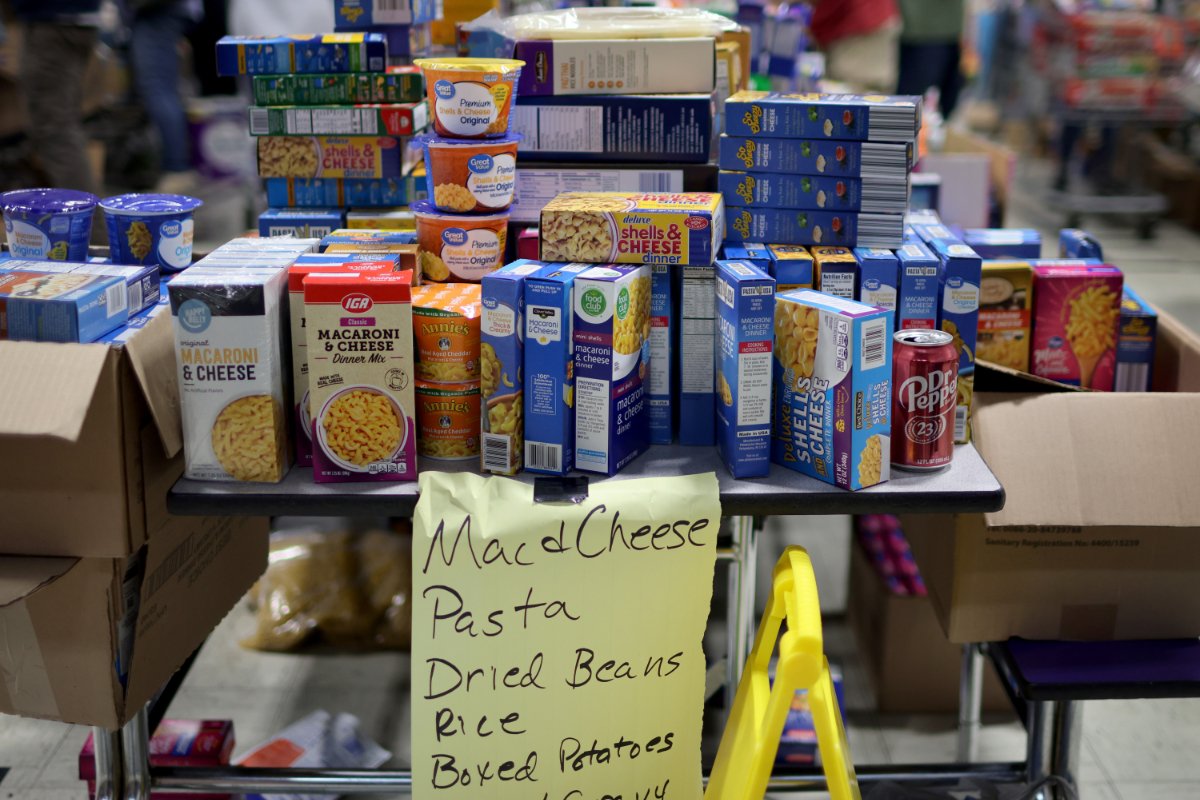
470, 98
151, 229
48, 224
459, 248
465, 175
448, 419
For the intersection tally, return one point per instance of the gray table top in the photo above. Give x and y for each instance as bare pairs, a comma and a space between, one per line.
967, 486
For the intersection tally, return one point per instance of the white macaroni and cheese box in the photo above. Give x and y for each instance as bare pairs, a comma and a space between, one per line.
360, 376
229, 344
612, 357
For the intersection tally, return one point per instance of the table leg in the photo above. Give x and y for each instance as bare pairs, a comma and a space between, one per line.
108, 763
136, 740
1039, 755
739, 612
1068, 733
970, 698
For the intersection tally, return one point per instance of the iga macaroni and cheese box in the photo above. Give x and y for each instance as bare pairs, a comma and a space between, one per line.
756, 253
814, 192
401, 85
661, 378
616, 66
868, 160
878, 277
325, 52
1076, 318
792, 266
1005, 313
331, 157
917, 304
832, 379
836, 271
1135, 344
873, 118
549, 370
959, 275
360, 376
998, 243
745, 334
142, 282
329, 192
618, 228
380, 119
789, 226
612, 359
697, 342
230, 330
502, 362
60, 307
303, 222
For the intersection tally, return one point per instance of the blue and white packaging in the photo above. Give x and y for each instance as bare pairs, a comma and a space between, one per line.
341, 192
792, 267
868, 160
836, 228
996, 243
743, 367
316, 53
661, 369
50, 307
815, 192
550, 371
358, 15
301, 222
756, 253
879, 277
824, 116
138, 321
1076, 243
142, 282
697, 340
932, 232
960, 275
917, 303
1135, 344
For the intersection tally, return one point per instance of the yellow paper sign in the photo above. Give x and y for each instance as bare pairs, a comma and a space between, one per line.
556, 649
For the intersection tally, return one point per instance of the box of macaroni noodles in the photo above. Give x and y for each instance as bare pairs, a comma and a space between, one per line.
918, 297
367, 14
996, 243
745, 336
612, 361
60, 307
660, 382
550, 370
791, 226
837, 271
872, 118
230, 333
399, 85
959, 276
302, 222
873, 160
792, 267
360, 363
331, 192
1135, 344
383, 239
878, 277
322, 52
1076, 321
332, 157
813, 192
756, 253
1005, 313
377, 119
832, 380
697, 342
142, 282
388, 219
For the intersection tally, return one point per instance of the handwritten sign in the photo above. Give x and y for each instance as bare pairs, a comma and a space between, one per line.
556, 648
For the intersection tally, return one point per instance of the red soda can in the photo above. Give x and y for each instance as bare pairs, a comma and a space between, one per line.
924, 394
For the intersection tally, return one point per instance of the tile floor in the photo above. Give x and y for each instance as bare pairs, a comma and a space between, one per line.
1131, 750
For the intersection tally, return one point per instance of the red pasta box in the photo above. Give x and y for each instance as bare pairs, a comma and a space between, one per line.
1076, 313
176, 743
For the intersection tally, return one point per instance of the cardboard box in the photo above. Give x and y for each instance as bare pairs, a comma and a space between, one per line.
879, 277
386, 219
756, 253
322, 52
836, 271
333, 157
1135, 344
395, 119
368, 14
399, 85
77, 650
336, 192
660, 378
813, 192
301, 222
48, 307
814, 157
616, 66
792, 267
827, 116
918, 298
697, 351
789, 226
538, 185
1004, 243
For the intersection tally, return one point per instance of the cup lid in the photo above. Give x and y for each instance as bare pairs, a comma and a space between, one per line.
48, 201
135, 204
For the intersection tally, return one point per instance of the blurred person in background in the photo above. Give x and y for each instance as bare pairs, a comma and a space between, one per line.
931, 49
859, 38
59, 37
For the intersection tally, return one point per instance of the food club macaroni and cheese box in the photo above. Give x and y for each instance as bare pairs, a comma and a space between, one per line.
813, 192
878, 277
832, 381
397, 85
50, 307
660, 381
959, 275
1008, 243
142, 283
697, 342
791, 226
550, 370
685, 228
361, 381
1135, 344
792, 267
836, 271
745, 335
1005, 313
275, 55
1076, 318
871, 118
302, 222
611, 327
917, 303
873, 160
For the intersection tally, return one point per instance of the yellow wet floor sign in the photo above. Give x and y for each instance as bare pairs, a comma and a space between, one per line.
751, 739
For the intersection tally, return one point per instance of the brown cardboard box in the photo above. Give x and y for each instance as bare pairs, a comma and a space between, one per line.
65, 623
89, 444
912, 665
741, 35
1098, 538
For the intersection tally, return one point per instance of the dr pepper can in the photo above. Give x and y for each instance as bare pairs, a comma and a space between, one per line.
924, 394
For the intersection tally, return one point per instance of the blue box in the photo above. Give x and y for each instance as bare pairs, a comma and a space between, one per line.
697, 343
836, 271
356, 15
792, 267
302, 222
40, 307
824, 116
138, 321
798, 742
832, 410
1135, 344
807, 157
930, 233
337, 259
756, 253
998, 243
142, 283
366, 236
612, 418
322, 52
960, 275
917, 303
745, 335
837, 228
661, 370
879, 277
1076, 243
816, 192
550, 371
331, 192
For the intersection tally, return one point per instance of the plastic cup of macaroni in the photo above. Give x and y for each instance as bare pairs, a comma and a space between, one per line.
48, 224
459, 248
470, 98
448, 419
149, 229
466, 175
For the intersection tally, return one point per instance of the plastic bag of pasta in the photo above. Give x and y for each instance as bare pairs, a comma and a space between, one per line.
385, 574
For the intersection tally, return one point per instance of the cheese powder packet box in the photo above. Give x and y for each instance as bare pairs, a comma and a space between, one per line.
360, 365
612, 359
745, 336
230, 339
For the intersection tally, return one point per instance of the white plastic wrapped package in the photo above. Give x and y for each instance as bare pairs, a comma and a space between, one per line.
607, 23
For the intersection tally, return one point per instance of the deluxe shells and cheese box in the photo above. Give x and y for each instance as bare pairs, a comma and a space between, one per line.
685, 228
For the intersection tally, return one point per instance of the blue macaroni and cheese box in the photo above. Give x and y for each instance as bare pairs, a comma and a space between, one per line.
501, 364
756, 253
366, 236
789, 226
813, 157
142, 283
1076, 243
995, 243
322, 52
792, 267
960, 274
302, 222
817, 192
331, 192
697, 332
612, 320
878, 277
832, 380
836, 271
57, 307
1135, 344
661, 379
549, 370
871, 118
745, 335
367, 14
917, 303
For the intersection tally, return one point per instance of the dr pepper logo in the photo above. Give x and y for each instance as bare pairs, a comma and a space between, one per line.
929, 393
357, 303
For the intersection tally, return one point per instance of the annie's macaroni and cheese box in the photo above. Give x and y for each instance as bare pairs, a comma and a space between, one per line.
832, 380
612, 358
141, 282
837, 271
1005, 313
1076, 318
550, 370
867, 160
917, 303
684, 228
1135, 344
304, 222
875, 118
661, 379
878, 277
325, 52
745, 336
230, 334
332, 157
959, 274
360, 362
792, 267
697, 342
60, 307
